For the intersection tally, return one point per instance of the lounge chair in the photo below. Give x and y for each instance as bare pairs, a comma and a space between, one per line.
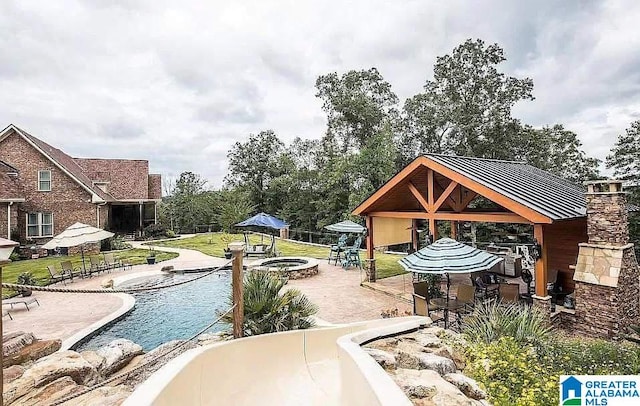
97, 265
26, 301
264, 250
421, 302
6, 313
55, 276
484, 289
111, 261
68, 268
337, 249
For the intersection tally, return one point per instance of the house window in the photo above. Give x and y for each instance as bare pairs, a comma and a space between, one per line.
39, 225
44, 181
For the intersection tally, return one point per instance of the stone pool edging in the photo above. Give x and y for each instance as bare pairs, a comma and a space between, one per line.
306, 270
128, 303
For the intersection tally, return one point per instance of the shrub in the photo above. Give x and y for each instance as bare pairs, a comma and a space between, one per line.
170, 234
492, 320
26, 278
573, 356
155, 231
118, 243
512, 374
268, 311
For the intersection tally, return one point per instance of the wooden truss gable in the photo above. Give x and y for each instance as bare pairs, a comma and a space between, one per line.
426, 189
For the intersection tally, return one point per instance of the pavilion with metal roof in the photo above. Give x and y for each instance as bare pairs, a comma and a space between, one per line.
440, 188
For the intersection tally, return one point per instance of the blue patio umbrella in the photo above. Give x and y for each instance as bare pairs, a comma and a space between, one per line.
447, 256
263, 220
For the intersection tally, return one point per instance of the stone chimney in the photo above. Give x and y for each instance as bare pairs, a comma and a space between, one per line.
607, 213
607, 278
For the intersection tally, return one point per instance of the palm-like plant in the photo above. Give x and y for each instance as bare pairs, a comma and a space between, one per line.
268, 311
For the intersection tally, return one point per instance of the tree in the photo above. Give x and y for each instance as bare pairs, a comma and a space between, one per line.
558, 151
466, 108
189, 203
233, 206
266, 310
624, 158
358, 104
254, 164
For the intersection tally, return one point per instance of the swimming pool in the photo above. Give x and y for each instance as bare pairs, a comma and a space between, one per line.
168, 314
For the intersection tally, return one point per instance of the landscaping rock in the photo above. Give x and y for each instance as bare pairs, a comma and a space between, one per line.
428, 340
437, 363
93, 358
414, 384
12, 373
167, 268
105, 396
467, 385
32, 352
108, 284
56, 390
14, 342
49, 369
210, 338
117, 354
420, 360
143, 373
385, 359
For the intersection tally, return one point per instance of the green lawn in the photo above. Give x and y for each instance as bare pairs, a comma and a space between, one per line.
212, 244
38, 267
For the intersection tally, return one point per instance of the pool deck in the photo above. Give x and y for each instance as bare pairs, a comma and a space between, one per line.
337, 292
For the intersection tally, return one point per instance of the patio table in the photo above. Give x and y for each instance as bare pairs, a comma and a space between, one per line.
447, 305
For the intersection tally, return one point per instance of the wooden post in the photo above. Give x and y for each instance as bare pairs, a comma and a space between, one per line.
432, 229
237, 251
371, 263
454, 230
541, 263
415, 238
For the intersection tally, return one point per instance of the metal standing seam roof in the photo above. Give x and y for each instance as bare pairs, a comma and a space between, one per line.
534, 188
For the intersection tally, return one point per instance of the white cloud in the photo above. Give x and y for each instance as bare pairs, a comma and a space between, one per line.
179, 83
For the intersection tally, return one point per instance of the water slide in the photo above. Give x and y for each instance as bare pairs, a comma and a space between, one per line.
321, 366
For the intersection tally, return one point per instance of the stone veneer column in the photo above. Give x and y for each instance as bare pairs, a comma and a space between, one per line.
607, 278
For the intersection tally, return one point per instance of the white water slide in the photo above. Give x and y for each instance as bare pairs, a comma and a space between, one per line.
321, 366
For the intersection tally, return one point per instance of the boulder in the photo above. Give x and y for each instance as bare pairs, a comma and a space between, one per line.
428, 340
104, 396
108, 284
167, 268
429, 388
56, 390
414, 385
93, 358
422, 360
210, 338
14, 342
49, 369
143, 373
32, 352
12, 373
117, 354
385, 359
467, 385
437, 363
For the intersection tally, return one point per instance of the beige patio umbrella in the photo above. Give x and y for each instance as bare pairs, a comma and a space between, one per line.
78, 234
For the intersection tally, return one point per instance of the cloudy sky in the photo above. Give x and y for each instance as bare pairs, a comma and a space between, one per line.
178, 82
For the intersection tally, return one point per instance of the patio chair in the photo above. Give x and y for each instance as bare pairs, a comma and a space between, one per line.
68, 268
26, 301
55, 276
352, 255
6, 313
97, 265
421, 303
111, 261
484, 289
509, 293
337, 249
466, 294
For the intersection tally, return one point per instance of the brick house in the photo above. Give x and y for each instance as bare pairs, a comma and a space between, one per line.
43, 190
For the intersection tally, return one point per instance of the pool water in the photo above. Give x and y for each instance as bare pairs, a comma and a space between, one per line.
169, 314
